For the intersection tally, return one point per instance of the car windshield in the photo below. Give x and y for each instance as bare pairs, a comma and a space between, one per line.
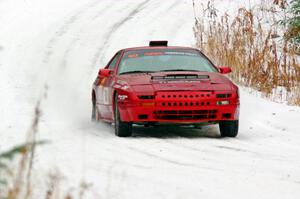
164, 60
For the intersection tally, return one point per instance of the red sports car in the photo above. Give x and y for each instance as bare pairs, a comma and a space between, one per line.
160, 84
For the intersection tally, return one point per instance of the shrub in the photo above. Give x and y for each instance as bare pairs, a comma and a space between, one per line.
251, 44
293, 22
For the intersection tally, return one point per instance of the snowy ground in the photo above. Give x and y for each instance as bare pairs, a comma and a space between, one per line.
64, 43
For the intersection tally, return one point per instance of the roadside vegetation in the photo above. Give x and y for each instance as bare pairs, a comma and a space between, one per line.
17, 174
261, 44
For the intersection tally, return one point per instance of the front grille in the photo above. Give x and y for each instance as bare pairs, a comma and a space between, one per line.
183, 95
184, 99
185, 114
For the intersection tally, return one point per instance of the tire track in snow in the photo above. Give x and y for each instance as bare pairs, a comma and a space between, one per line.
144, 153
168, 9
73, 19
218, 146
68, 50
234, 149
113, 29
171, 161
64, 29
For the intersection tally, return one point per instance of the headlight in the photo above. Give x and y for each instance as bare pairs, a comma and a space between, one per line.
125, 87
120, 84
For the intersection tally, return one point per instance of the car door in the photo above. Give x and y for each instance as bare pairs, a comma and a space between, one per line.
107, 83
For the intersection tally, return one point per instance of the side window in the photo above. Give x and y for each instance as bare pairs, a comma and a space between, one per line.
113, 62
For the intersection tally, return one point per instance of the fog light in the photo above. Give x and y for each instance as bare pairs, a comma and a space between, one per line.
147, 104
122, 97
226, 102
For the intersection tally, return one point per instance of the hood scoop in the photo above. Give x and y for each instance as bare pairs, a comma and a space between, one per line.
178, 77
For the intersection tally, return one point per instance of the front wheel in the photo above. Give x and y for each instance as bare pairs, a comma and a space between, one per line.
229, 128
94, 112
122, 129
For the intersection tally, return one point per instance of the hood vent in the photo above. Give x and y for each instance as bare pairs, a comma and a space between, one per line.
177, 77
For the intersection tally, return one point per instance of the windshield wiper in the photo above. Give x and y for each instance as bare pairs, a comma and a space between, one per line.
136, 71
178, 70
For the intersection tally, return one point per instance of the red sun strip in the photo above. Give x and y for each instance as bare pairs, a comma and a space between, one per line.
153, 53
133, 55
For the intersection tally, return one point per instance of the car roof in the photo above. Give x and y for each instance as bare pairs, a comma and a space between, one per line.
158, 48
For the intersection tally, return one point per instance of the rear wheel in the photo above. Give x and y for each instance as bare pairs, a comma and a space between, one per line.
122, 129
229, 128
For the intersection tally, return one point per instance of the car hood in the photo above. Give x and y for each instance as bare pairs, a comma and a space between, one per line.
168, 81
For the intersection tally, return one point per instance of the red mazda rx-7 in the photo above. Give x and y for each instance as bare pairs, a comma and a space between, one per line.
160, 84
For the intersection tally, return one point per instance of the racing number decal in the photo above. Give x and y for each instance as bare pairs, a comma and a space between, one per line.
105, 92
105, 96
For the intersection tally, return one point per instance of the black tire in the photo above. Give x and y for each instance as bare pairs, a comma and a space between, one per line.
122, 129
94, 112
229, 128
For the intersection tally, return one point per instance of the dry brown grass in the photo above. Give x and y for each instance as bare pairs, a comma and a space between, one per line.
251, 44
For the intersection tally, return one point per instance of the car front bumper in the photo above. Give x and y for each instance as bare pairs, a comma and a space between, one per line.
195, 107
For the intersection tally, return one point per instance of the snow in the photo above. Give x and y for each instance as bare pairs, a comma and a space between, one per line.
62, 44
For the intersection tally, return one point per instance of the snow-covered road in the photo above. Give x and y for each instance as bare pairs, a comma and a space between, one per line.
63, 43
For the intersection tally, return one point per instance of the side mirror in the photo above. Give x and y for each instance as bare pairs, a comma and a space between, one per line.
105, 72
224, 69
